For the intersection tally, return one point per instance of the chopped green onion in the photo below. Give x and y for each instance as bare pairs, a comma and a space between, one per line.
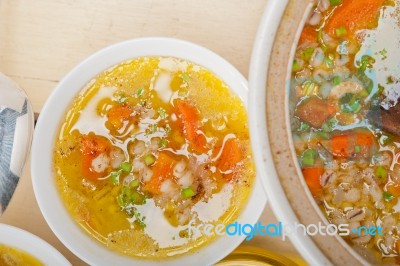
123, 199
149, 159
163, 143
341, 31
139, 92
134, 183
336, 80
308, 157
387, 196
335, 2
162, 113
307, 53
329, 125
322, 134
366, 62
140, 221
185, 77
303, 127
137, 198
329, 60
380, 172
126, 167
188, 192
115, 176
357, 149
350, 103
308, 87
296, 66
122, 98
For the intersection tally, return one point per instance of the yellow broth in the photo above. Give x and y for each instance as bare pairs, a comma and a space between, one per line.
149, 146
10, 256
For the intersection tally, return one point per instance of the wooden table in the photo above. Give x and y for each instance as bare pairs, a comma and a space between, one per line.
41, 40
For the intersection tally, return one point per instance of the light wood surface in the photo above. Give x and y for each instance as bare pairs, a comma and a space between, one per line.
41, 40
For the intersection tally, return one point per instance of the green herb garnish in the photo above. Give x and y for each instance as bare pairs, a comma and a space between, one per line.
149, 159
185, 77
387, 196
381, 172
303, 127
341, 31
350, 103
336, 80
296, 67
335, 2
308, 157
139, 92
163, 143
162, 113
188, 192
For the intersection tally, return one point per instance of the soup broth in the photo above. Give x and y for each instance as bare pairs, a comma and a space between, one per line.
10, 256
149, 147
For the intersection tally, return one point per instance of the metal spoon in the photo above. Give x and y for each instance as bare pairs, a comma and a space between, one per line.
16, 130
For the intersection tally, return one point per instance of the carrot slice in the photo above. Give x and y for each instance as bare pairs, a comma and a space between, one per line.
354, 15
162, 170
340, 145
309, 34
230, 156
353, 144
189, 121
312, 177
393, 189
91, 147
118, 114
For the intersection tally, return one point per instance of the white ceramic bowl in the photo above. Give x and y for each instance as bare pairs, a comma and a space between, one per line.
46, 193
22, 240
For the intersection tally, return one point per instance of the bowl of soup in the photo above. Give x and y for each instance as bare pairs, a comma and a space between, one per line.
142, 156
325, 125
19, 247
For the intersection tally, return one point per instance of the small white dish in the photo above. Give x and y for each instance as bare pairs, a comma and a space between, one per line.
46, 192
22, 240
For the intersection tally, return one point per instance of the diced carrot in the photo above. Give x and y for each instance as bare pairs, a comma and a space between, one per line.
353, 16
230, 156
340, 145
91, 147
189, 120
393, 189
365, 139
353, 144
118, 114
312, 177
309, 34
162, 170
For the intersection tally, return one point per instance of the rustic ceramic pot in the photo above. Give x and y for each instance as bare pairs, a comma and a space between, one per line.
281, 175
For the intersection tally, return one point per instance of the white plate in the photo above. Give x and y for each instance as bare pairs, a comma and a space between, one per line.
17, 238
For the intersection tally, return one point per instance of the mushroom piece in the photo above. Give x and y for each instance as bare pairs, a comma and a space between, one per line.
387, 120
